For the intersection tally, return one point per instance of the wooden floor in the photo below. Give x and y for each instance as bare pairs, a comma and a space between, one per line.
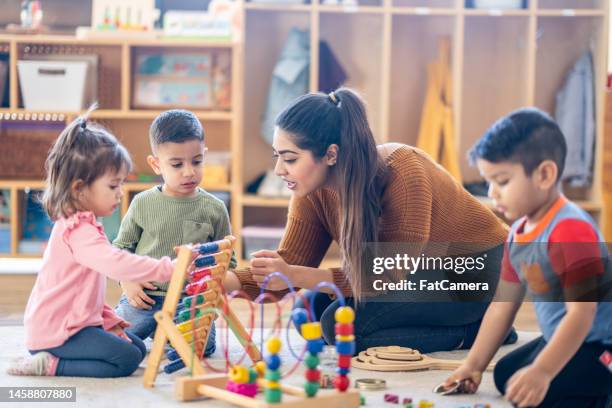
16, 290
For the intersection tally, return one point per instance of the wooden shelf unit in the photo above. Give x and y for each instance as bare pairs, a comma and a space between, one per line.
501, 60
115, 72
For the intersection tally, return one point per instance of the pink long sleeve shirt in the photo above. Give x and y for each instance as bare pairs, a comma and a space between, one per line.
70, 289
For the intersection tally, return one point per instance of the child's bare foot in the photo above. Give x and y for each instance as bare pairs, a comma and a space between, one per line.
42, 363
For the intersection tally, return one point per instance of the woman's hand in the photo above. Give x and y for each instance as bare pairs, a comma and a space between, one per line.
136, 296
528, 386
264, 263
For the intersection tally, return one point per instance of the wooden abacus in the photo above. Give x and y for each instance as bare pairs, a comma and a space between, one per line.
189, 338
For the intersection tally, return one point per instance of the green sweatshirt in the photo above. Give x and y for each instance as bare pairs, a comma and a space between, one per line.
155, 223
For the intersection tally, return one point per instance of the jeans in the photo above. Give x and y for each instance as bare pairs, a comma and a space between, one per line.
583, 382
424, 326
94, 352
143, 324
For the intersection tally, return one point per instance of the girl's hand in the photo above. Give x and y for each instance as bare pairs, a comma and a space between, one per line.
528, 386
136, 296
119, 331
469, 377
266, 262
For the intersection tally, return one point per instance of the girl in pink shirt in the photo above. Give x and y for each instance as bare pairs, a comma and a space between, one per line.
69, 329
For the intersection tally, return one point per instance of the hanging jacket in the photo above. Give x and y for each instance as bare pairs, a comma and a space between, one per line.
575, 114
289, 79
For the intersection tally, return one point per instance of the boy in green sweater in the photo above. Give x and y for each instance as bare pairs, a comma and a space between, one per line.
175, 213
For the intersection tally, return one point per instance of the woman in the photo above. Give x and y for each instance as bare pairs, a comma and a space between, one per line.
347, 189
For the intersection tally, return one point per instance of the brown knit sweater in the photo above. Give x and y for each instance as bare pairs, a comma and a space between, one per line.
421, 203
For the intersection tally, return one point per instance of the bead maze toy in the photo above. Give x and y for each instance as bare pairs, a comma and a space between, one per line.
204, 266
262, 386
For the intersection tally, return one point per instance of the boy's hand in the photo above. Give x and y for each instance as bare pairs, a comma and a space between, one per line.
119, 331
136, 296
469, 376
528, 386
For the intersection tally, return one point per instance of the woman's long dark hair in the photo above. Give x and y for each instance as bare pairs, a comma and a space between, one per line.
319, 120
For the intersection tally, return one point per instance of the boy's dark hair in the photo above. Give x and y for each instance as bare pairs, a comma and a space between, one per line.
527, 136
176, 126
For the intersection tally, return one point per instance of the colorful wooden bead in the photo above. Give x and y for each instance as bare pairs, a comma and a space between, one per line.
346, 338
239, 374
392, 398
344, 361
312, 361
341, 382
200, 274
203, 261
315, 346
425, 404
189, 301
273, 375
272, 385
345, 314
407, 400
313, 375
362, 400
311, 388
249, 390
208, 248
273, 395
343, 371
345, 347
260, 368
252, 375
273, 362
196, 287
299, 316
311, 331
344, 329
273, 345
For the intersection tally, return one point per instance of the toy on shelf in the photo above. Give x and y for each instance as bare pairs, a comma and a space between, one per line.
139, 15
206, 265
238, 384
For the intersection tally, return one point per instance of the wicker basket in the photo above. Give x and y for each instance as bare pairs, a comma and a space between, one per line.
24, 149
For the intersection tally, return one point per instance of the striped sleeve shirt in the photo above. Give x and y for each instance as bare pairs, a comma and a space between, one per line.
155, 223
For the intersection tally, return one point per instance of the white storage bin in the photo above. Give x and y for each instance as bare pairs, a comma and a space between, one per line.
498, 4
53, 85
256, 238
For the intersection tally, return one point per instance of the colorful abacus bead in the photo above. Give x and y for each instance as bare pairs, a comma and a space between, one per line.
272, 392
196, 287
239, 374
345, 345
314, 344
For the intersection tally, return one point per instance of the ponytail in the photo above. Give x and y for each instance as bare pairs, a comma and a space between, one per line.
320, 120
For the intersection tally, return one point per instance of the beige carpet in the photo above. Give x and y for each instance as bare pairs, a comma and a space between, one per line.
129, 392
